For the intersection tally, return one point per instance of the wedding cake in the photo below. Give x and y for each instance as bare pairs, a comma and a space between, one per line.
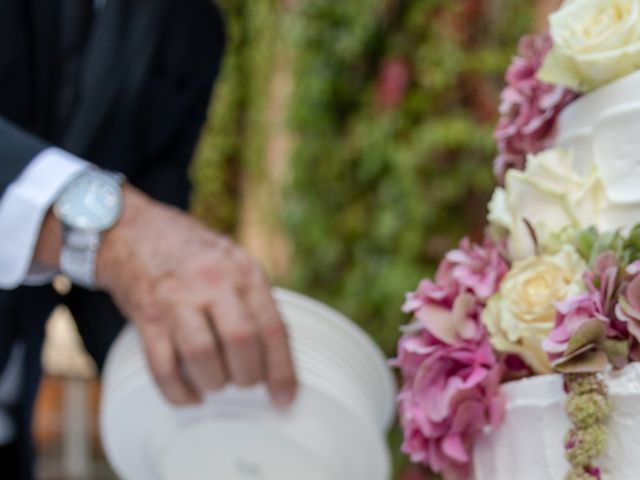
603, 129
521, 361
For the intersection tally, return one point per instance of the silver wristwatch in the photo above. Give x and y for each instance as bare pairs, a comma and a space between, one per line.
87, 207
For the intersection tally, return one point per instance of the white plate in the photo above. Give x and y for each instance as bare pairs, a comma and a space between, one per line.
335, 431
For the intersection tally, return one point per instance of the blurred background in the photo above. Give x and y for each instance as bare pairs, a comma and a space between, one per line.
348, 146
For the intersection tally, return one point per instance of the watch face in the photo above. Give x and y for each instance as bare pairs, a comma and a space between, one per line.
91, 203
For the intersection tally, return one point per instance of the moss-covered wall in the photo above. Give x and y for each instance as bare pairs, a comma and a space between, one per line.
393, 111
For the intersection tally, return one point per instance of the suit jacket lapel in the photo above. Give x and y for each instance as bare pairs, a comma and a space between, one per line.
119, 51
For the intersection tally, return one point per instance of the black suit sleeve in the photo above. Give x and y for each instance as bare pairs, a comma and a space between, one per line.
17, 149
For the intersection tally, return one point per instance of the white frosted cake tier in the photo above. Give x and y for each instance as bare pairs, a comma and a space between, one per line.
529, 444
603, 128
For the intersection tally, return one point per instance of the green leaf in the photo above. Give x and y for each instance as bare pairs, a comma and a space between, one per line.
592, 332
589, 361
585, 241
616, 350
633, 240
613, 241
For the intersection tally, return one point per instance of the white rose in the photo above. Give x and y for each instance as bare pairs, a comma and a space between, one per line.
523, 312
549, 195
595, 42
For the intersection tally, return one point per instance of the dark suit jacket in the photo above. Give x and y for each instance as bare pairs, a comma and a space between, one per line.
144, 86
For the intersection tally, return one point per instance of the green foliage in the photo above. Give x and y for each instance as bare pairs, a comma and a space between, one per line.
233, 135
380, 192
591, 244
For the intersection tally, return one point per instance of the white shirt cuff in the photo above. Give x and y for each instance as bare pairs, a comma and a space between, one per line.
22, 210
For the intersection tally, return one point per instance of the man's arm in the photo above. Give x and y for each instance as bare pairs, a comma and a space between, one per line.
32, 175
202, 306
17, 149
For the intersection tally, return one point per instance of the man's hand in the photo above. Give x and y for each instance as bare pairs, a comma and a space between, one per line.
202, 305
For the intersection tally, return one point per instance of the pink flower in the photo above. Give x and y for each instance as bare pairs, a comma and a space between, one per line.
529, 108
476, 268
586, 320
447, 401
451, 325
571, 314
628, 307
603, 282
449, 370
472, 268
430, 293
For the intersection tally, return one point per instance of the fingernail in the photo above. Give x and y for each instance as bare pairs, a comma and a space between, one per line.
282, 398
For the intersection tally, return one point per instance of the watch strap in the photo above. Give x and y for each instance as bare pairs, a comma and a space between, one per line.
78, 256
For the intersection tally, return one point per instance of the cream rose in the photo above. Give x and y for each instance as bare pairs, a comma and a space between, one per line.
521, 315
595, 42
549, 196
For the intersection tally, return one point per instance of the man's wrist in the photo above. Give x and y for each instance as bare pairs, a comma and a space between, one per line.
115, 246
47, 252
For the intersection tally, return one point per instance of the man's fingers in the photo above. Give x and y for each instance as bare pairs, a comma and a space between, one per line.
237, 333
280, 372
163, 363
199, 352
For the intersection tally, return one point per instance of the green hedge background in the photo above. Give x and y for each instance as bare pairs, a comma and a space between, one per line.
391, 115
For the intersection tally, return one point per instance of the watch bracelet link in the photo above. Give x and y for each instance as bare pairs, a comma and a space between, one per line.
78, 251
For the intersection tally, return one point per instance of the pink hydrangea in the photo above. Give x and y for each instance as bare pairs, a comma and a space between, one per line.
571, 314
602, 283
628, 307
449, 370
529, 108
476, 269
450, 394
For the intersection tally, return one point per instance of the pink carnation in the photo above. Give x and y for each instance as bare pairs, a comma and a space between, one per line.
446, 401
529, 108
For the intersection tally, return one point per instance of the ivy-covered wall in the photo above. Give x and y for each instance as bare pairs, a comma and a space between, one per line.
232, 138
393, 110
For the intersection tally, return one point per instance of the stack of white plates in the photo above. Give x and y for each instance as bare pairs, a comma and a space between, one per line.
335, 430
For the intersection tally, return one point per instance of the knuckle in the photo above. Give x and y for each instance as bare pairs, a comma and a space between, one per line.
256, 276
149, 310
198, 348
243, 263
241, 337
164, 375
204, 265
274, 331
225, 242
